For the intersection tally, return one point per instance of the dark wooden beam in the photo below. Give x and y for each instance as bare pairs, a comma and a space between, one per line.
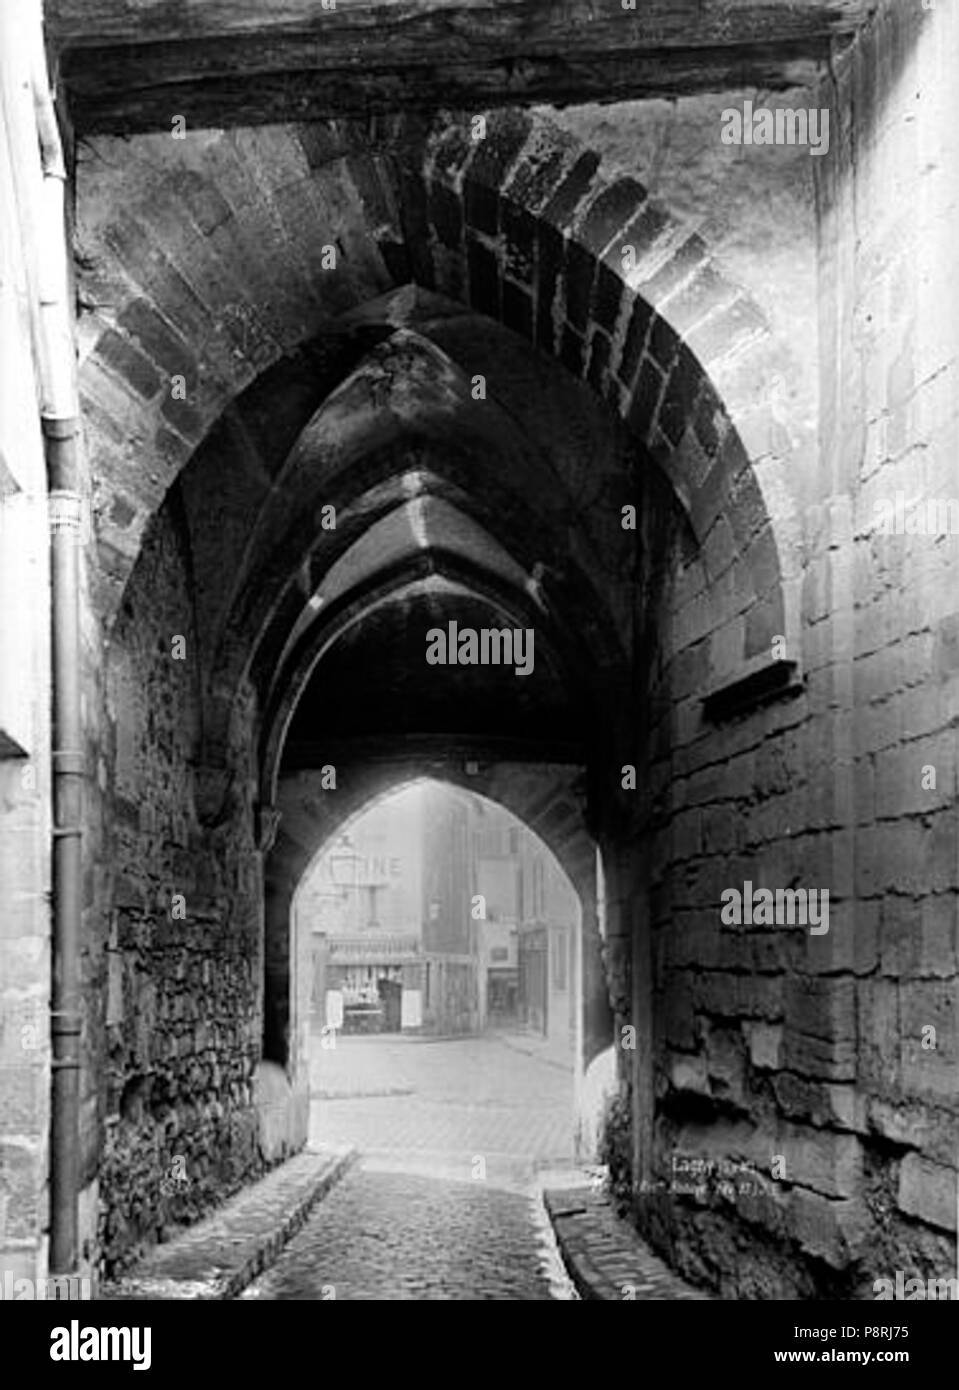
405, 26
133, 66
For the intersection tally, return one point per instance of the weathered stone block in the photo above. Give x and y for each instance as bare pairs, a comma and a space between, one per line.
681, 390
580, 270
820, 1037
129, 363
540, 169
811, 1056
821, 1007
929, 1012
694, 940
828, 1163
689, 1074
765, 1045
934, 1132
725, 1062
928, 1191
939, 935
609, 212
899, 935
879, 1032
866, 942
634, 341
678, 1016
820, 1103
560, 209
828, 1229
607, 295
506, 134
728, 995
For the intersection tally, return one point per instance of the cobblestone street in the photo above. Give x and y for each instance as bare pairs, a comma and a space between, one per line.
389, 1235
461, 1098
445, 1202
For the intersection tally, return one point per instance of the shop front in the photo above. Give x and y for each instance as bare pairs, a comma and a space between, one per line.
372, 986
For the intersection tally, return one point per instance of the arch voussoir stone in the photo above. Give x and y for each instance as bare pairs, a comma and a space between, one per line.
525, 224
627, 324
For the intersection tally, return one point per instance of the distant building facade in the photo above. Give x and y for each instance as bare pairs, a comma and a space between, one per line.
361, 903
440, 912
531, 932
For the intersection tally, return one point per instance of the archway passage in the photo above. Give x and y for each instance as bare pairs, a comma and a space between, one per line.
348, 480
442, 940
456, 494
358, 701
370, 390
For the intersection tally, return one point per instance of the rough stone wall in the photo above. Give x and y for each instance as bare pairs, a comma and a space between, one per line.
889, 300
181, 972
805, 1063
752, 1030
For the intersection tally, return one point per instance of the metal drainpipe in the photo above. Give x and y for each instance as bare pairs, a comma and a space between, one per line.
59, 421
68, 761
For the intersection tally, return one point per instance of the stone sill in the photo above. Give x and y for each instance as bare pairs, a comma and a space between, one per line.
756, 683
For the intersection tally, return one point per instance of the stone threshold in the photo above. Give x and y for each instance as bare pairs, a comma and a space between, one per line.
221, 1255
604, 1256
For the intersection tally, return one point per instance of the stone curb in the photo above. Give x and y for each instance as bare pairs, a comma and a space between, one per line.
220, 1256
602, 1253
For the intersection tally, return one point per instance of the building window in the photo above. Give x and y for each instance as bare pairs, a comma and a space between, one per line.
514, 840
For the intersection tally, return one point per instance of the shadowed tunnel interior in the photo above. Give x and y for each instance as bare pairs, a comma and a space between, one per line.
448, 546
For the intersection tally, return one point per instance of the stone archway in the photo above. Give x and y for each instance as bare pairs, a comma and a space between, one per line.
549, 799
525, 226
365, 386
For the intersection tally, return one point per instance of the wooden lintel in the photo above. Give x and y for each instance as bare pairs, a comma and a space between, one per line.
309, 96
130, 67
